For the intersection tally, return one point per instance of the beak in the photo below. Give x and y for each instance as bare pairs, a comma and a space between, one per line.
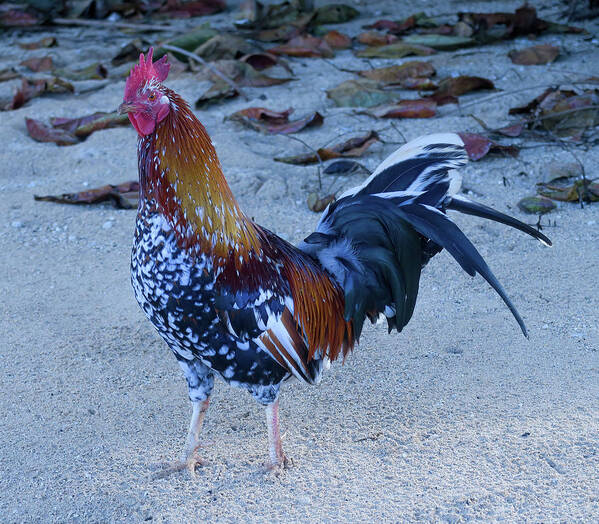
125, 108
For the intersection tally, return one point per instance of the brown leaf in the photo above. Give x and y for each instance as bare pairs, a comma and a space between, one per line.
385, 25
421, 108
38, 64
376, 39
477, 146
32, 88
49, 41
512, 131
354, 147
304, 46
261, 61
535, 55
454, 87
70, 131
181, 9
17, 18
122, 196
274, 122
44, 133
317, 204
397, 74
395, 50
84, 126
337, 40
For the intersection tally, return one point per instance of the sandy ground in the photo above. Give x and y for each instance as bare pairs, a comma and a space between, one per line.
458, 418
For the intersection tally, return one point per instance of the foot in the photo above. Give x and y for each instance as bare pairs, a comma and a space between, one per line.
277, 467
190, 463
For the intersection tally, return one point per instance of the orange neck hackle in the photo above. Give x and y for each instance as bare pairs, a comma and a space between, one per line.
187, 183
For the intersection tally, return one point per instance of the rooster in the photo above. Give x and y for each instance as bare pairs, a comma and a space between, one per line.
232, 299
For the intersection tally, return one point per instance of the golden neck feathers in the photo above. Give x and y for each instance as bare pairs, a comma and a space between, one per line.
180, 172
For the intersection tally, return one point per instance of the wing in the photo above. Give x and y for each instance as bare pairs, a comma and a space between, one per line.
288, 305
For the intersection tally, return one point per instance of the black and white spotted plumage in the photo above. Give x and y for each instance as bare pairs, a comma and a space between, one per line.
177, 293
372, 243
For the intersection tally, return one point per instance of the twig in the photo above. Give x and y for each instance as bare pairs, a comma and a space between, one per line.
113, 25
199, 59
339, 68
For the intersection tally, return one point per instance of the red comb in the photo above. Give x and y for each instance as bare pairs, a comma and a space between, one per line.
145, 71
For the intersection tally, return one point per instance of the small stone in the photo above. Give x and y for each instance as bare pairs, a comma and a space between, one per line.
107, 224
16, 224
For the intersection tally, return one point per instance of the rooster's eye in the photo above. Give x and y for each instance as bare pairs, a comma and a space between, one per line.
152, 97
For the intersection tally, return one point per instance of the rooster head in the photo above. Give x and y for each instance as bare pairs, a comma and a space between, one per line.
145, 100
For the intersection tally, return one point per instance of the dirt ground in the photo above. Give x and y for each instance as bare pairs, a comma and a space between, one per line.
457, 418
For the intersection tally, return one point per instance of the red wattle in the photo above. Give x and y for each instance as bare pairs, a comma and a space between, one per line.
142, 124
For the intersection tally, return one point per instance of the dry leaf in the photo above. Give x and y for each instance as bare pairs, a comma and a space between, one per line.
376, 39
32, 88
182, 9
304, 46
44, 133
535, 55
38, 64
397, 74
122, 196
477, 146
274, 122
395, 50
537, 205
49, 41
454, 87
354, 147
70, 131
337, 40
360, 93
421, 108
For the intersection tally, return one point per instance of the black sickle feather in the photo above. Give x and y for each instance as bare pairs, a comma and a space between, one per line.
440, 229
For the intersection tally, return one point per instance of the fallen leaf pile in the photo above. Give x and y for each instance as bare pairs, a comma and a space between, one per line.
268, 45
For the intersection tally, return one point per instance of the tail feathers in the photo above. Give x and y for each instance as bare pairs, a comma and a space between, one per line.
435, 225
474, 208
416, 166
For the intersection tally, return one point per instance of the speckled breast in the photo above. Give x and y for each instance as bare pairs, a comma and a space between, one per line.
174, 292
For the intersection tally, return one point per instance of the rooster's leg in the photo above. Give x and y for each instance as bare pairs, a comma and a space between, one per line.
190, 458
278, 460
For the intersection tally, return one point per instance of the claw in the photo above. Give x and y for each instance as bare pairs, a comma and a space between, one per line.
191, 464
278, 468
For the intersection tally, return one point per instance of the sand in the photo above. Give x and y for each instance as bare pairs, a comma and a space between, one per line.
457, 418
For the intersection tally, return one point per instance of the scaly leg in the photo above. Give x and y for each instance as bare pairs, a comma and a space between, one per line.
278, 460
190, 458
